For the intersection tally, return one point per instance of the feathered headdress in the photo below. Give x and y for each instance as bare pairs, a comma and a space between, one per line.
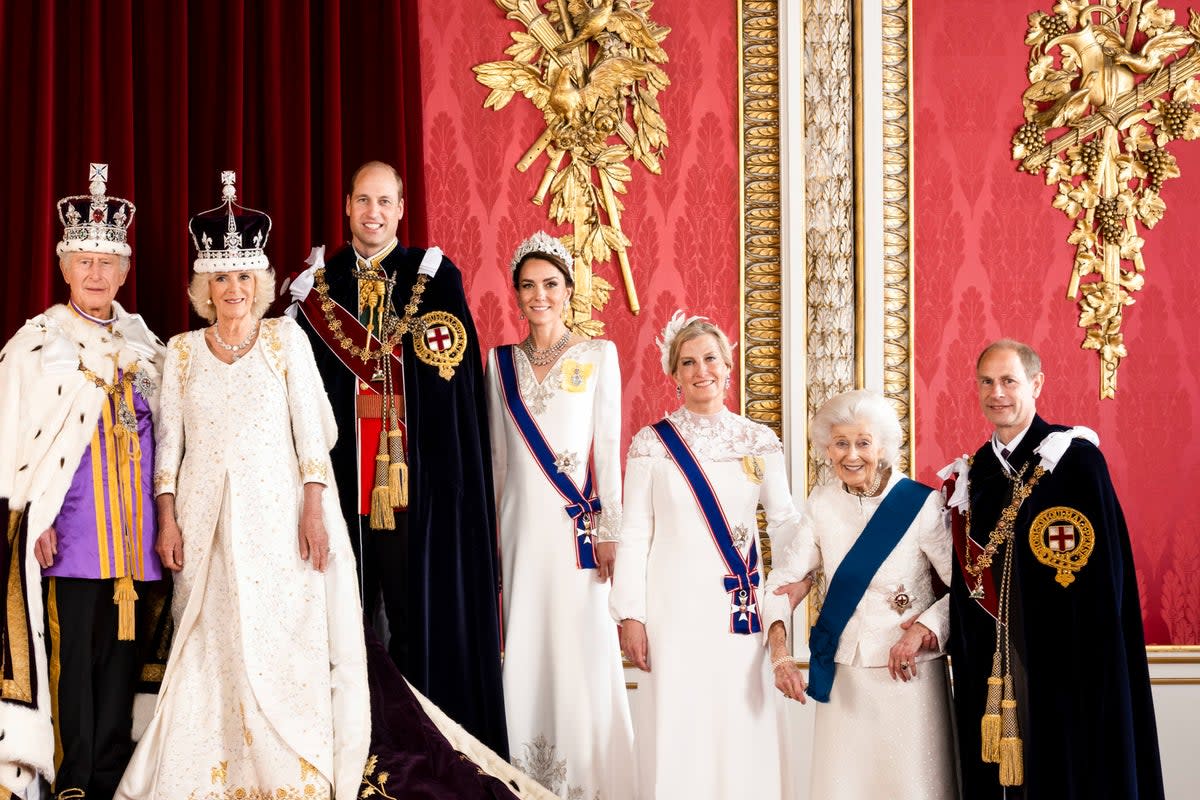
675, 324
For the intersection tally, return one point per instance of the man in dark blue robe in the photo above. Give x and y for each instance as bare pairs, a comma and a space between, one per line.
1071, 710
435, 565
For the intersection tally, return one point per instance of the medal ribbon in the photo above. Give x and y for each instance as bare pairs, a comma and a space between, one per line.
582, 506
742, 580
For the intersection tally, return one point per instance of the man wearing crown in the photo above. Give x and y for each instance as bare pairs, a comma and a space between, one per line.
396, 346
78, 388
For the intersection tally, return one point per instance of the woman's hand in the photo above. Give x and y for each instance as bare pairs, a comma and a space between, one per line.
46, 547
930, 642
606, 555
634, 643
902, 659
789, 679
795, 591
170, 543
314, 539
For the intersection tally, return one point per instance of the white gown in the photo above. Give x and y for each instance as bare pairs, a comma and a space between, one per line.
877, 737
265, 692
568, 716
713, 726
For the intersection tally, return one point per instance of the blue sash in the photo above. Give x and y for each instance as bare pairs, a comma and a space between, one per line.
582, 506
742, 580
884, 530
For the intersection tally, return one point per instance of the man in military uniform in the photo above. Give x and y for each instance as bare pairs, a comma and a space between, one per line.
78, 387
1051, 686
396, 346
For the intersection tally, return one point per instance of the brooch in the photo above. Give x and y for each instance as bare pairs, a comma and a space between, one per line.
575, 375
901, 600
753, 467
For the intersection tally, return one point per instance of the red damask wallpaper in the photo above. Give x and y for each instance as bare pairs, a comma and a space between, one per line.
683, 223
992, 260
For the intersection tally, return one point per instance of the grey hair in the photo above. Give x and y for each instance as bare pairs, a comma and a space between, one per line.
62, 260
200, 293
858, 406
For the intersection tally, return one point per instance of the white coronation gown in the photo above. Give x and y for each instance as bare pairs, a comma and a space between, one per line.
265, 692
568, 716
713, 726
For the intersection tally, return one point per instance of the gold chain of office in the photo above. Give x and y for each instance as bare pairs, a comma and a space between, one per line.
402, 326
1003, 531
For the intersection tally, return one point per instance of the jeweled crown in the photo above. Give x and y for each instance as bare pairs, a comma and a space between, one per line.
95, 222
542, 242
230, 237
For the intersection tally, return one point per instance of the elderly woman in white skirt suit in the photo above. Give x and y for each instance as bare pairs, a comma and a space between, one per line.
883, 728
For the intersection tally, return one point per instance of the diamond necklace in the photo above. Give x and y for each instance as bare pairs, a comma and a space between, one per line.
235, 348
542, 358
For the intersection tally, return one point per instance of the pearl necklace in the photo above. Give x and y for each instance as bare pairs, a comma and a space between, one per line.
542, 358
870, 492
235, 348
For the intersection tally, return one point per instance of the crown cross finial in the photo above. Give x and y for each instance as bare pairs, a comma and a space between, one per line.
228, 179
98, 178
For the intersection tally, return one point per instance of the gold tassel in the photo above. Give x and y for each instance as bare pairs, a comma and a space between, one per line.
382, 518
125, 595
1012, 761
398, 471
990, 724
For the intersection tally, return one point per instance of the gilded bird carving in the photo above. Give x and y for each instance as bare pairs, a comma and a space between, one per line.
1154, 53
563, 97
1070, 107
616, 17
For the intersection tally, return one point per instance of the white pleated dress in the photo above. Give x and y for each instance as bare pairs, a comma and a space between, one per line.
713, 721
568, 716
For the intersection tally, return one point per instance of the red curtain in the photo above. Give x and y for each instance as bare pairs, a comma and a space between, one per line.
292, 94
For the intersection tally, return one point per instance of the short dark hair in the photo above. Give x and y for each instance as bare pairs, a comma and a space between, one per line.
558, 263
381, 165
1030, 360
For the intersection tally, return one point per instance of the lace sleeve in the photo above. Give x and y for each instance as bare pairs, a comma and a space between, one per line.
646, 444
168, 425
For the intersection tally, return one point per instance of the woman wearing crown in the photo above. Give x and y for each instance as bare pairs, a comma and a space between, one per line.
554, 405
265, 691
687, 582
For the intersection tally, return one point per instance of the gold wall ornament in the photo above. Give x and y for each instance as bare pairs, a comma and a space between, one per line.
1122, 98
591, 68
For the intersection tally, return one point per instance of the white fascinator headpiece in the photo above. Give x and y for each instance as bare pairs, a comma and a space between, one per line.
675, 324
542, 242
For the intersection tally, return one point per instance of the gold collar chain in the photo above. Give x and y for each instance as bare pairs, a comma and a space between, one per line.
395, 328
1003, 532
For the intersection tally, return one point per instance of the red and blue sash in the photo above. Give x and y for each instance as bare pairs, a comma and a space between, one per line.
582, 506
884, 531
742, 579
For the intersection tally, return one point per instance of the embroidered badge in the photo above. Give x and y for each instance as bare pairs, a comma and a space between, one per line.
753, 467
440, 340
575, 375
1062, 538
900, 600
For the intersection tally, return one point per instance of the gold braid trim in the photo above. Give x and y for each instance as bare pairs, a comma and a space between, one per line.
396, 327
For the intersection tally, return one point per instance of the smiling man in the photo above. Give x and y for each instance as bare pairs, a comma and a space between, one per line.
1051, 687
78, 387
396, 346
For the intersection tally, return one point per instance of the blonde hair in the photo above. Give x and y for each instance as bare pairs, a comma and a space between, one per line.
694, 330
200, 293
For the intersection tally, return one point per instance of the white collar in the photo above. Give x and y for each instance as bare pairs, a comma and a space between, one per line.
1011, 447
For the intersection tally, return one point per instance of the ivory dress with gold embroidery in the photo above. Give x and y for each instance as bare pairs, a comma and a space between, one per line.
710, 722
564, 688
265, 693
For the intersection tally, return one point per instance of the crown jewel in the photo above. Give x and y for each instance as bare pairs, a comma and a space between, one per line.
241, 232
542, 242
95, 223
